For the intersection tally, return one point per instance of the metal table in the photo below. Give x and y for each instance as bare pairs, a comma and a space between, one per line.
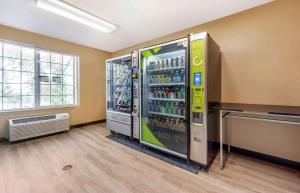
269, 113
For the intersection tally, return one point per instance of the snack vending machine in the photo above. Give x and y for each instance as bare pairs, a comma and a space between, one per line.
180, 81
121, 95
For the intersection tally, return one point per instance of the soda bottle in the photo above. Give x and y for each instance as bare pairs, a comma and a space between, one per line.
176, 62
157, 106
181, 61
150, 105
181, 124
177, 76
172, 95
157, 79
177, 109
182, 109
167, 107
172, 108
161, 64
162, 108
172, 63
160, 92
169, 63
150, 66
171, 123
176, 93
167, 122
182, 93
177, 124
157, 64
162, 78
182, 75
150, 94
166, 92
163, 93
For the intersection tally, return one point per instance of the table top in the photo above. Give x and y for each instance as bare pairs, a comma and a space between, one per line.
270, 109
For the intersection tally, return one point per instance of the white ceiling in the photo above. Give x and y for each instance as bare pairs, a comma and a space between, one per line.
138, 20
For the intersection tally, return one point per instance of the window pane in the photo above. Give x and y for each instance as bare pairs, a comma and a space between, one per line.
11, 77
68, 90
68, 80
44, 100
1, 66
0, 92
56, 58
56, 100
68, 100
28, 102
11, 89
11, 51
68, 69
11, 102
56, 68
68, 60
28, 89
45, 89
56, 90
44, 67
27, 66
12, 64
1, 49
27, 53
44, 56
27, 77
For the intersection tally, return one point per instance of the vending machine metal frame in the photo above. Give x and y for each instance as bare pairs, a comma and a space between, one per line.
118, 122
201, 137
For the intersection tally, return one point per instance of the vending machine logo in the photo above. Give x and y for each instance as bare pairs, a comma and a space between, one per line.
197, 61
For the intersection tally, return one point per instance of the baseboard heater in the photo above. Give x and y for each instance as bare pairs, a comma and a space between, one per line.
29, 127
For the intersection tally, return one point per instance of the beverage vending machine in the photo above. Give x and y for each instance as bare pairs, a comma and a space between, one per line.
122, 95
180, 81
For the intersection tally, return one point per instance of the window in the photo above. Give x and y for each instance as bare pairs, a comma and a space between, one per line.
33, 78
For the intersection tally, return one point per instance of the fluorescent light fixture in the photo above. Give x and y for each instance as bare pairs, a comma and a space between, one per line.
75, 14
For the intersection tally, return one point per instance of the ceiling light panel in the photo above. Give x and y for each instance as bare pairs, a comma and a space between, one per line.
63, 9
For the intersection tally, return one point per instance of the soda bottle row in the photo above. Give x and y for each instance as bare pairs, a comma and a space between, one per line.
167, 122
173, 77
167, 92
168, 107
172, 62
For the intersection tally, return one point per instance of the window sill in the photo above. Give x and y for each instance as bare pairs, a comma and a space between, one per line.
14, 111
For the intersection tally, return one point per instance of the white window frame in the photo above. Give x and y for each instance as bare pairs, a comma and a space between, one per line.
76, 74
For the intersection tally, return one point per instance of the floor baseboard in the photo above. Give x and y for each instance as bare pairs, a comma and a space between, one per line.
87, 123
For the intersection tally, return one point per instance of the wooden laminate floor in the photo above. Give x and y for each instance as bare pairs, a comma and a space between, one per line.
102, 165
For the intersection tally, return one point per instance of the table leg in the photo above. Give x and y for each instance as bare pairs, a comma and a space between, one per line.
229, 133
221, 139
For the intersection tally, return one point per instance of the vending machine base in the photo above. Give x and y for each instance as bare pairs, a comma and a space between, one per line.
119, 123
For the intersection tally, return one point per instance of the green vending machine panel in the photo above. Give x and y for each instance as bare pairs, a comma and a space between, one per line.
164, 123
197, 81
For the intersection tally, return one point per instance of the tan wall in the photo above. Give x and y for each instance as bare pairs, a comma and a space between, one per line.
92, 77
260, 64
